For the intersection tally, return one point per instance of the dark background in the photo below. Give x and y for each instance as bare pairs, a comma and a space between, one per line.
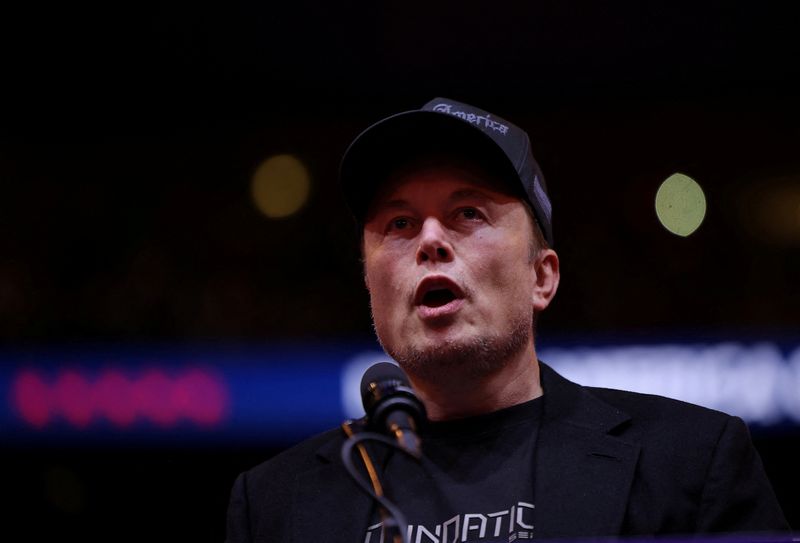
130, 132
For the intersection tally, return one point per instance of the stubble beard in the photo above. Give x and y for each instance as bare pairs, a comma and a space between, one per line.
471, 358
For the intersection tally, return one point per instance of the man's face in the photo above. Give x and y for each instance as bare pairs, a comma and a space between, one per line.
450, 272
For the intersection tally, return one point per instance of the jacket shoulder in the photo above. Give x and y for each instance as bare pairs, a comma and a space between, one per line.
645, 418
672, 424
262, 497
651, 406
297, 458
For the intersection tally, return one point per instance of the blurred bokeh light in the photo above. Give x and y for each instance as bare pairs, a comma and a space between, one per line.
64, 490
776, 210
280, 186
680, 204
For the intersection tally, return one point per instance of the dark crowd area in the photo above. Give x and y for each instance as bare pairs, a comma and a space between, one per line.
130, 134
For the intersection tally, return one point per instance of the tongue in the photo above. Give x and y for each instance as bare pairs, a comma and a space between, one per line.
438, 298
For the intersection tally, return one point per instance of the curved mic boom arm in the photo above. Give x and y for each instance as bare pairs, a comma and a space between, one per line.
396, 520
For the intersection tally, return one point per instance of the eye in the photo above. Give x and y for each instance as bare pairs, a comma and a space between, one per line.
470, 213
399, 223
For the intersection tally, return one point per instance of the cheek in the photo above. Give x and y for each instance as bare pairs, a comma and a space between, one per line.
387, 265
383, 282
504, 271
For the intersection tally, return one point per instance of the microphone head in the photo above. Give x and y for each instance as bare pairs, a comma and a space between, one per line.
383, 374
385, 388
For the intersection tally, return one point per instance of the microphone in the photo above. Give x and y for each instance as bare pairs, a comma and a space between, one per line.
391, 405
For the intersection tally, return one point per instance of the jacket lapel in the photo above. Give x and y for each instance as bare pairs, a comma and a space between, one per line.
583, 474
328, 505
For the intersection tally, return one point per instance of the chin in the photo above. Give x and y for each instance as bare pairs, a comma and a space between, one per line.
438, 357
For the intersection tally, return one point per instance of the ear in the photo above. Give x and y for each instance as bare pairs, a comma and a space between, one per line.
546, 280
364, 261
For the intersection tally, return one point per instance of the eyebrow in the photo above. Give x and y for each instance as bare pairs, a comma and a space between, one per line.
395, 204
463, 194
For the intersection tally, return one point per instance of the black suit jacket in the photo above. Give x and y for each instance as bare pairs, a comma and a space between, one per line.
608, 463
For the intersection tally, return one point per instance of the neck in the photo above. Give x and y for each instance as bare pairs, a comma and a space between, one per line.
515, 382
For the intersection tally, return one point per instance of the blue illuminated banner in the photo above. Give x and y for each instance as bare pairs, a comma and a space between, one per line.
279, 394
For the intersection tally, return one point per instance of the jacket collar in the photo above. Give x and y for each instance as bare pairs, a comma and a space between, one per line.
583, 474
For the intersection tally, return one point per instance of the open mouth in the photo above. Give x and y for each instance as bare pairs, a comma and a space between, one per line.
435, 292
438, 297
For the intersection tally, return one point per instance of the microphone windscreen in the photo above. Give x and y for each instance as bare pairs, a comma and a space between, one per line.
379, 380
381, 373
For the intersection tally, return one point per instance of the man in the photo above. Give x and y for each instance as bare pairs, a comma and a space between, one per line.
458, 259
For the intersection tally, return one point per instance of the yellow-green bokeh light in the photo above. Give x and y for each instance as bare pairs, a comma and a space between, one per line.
280, 186
680, 204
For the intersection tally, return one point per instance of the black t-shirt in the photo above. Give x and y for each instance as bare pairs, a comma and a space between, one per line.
475, 481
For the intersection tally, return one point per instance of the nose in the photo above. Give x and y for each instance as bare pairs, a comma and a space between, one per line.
434, 243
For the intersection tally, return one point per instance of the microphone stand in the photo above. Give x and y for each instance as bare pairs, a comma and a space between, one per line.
394, 522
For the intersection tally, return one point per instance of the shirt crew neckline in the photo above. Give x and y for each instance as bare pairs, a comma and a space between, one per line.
485, 423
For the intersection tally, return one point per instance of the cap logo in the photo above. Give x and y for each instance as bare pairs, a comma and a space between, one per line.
471, 118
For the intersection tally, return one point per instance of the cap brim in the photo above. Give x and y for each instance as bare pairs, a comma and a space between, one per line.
388, 144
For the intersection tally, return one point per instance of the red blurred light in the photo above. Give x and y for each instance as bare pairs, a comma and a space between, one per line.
30, 396
73, 396
193, 395
113, 398
153, 396
203, 399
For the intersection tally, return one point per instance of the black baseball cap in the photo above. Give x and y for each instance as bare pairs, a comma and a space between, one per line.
452, 128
